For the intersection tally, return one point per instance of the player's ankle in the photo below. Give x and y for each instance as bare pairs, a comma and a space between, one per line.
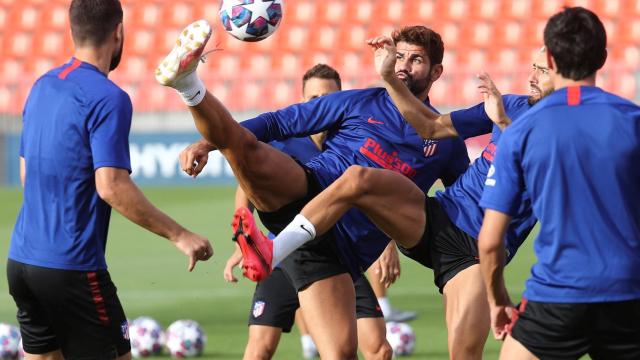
191, 89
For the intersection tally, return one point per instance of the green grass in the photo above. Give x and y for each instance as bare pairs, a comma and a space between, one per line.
152, 277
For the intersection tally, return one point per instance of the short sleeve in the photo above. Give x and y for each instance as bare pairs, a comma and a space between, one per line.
504, 184
471, 122
109, 132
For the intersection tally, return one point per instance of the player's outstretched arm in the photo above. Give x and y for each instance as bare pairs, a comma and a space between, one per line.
116, 188
427, 123
492, 260
493, 105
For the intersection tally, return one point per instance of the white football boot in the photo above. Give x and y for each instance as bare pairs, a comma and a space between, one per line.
183, 59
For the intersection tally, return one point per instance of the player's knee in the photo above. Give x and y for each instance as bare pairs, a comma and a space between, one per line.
382, 352
355, 180
465, 344
260, 349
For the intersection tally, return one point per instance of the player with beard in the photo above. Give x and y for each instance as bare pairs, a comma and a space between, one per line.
74, 166
441, 234
275, 301
364, 128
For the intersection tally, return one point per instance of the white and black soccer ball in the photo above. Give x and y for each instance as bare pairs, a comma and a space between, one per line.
401, 338
9, 341
251, 20
185, 338
146, 336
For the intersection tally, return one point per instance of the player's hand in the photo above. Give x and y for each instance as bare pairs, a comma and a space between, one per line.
501, 316
388, 265
384, 50
493, 105
195, 156
194, 246
234, 260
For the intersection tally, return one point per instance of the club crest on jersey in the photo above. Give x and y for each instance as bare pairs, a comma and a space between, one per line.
429, 147
258, 308
124, 328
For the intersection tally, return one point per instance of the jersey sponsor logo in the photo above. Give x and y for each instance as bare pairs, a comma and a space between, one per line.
371, 120
489, 152
390, 161
429, 147
490, 173
258, 308
124, 327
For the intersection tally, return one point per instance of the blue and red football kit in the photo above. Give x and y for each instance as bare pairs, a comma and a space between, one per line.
364, 128
75, 121
461, 200
576, 154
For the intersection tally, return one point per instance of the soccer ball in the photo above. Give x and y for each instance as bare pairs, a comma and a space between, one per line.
9, 341
185, 338
250, 20
401, 338
146, 337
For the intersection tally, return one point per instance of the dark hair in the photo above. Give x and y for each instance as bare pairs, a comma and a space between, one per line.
577, 41
93, 20
422, 36
322, 71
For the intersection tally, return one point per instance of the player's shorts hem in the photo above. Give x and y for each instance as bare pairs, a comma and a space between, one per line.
284, 329
39, 350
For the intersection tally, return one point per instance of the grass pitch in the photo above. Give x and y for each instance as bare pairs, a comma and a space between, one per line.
152, 277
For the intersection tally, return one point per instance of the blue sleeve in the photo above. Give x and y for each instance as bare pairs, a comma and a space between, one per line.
505, 181
458, 164
472, 121
301, 119
109, 132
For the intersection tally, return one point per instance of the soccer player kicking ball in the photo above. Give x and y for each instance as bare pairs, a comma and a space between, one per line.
440, 234
364, 128
576, 154
275, 300
74, 166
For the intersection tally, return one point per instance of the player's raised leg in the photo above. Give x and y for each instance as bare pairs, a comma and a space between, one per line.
258, 167
394, 204
467, 314
390, 200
